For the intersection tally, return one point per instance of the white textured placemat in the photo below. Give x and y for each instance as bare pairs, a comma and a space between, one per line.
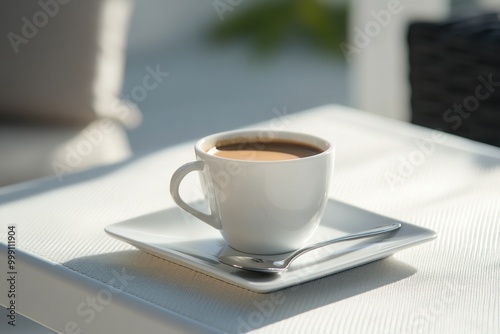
450, 285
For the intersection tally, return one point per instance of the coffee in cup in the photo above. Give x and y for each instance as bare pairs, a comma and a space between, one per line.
271, 150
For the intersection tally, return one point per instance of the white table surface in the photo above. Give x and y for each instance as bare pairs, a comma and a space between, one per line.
450, 285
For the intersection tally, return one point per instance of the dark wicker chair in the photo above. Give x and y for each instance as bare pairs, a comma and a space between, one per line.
455, 76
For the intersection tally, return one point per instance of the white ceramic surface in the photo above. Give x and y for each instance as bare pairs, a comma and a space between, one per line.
178, 237
261, 207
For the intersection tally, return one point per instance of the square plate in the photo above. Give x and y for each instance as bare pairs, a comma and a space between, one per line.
176, 236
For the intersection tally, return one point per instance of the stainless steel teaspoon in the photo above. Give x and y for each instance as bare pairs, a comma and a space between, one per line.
281, 264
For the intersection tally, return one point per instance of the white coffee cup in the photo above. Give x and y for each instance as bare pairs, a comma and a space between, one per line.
261, 207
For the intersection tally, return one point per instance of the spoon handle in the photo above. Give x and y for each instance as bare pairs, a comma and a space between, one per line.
364, 234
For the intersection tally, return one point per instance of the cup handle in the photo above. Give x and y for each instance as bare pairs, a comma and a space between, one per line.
175, 182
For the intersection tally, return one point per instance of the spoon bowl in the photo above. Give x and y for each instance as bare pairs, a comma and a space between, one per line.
281, 262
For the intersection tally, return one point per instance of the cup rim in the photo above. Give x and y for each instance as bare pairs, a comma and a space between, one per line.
327, 149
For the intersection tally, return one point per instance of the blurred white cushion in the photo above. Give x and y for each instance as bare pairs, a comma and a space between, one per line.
61, 74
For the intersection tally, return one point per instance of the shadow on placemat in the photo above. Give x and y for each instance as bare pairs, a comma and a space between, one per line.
225, 306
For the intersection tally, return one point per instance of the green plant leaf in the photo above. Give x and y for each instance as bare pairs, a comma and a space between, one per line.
268, 25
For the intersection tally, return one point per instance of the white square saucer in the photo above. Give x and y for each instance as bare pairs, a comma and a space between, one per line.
176, 236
